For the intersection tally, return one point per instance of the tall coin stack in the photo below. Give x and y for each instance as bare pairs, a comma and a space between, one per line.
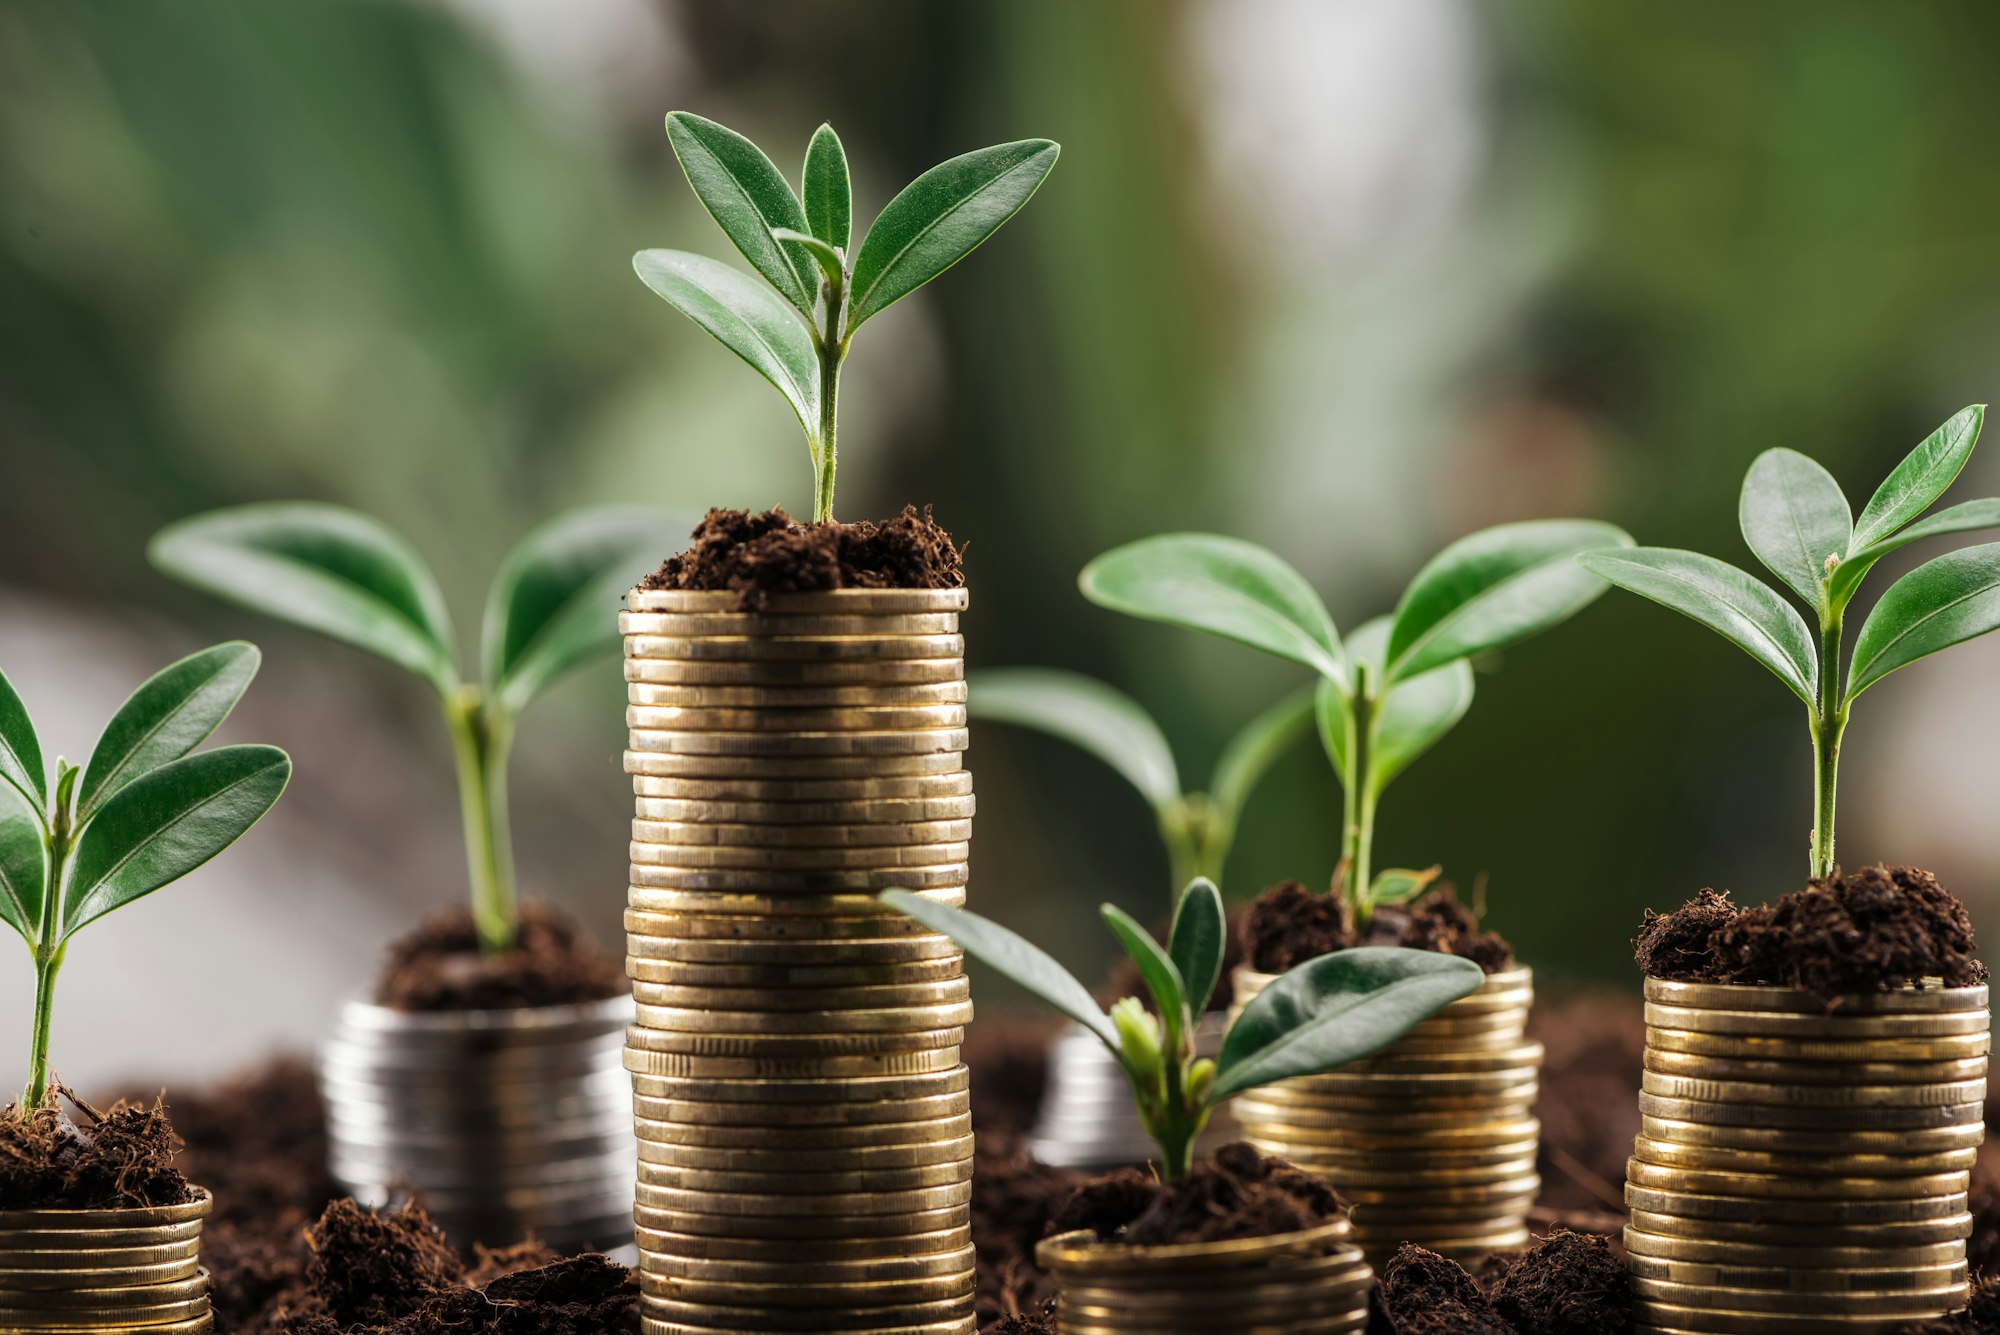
1804, 1166
1434, 1139
130, 1269
804, 1127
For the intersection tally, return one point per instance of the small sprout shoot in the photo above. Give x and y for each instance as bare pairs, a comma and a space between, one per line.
794, 329
140, 814
1324, 1014
1798, 522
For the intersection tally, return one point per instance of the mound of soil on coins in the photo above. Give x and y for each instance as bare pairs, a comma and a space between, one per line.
1422, 1293
1566, 1284
755, 556
89, 1160
440, 967
1239, 1193
1289, 924
1881, 928
1014, 1196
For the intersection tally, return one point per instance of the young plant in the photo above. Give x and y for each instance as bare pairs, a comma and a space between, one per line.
1198, 828
338, 572
140, 814
1326, 1013
1799, 524
795, 332
1397, 684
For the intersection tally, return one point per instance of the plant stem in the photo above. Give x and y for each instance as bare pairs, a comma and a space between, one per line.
1358, 797
480, 739
48, 958
1829, 721
832, 348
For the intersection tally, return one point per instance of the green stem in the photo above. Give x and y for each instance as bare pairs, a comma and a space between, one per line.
832, 348
1829, 721
1358, 798
48, 958
480, 739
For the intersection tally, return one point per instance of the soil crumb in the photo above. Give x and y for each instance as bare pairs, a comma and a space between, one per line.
1007, 1059
1289, 924
1239, 1193
1021, 1325
755, 556
439, 967
1566, 1284
1880, 928
1980, 1317
1014, 1196
1423, 1293
94, 1160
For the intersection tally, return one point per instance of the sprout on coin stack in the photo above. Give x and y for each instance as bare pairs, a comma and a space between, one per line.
1815, 1070
144, 811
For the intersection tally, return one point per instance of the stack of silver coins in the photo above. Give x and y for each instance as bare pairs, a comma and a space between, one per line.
1088, 1119
1433, 1140
1804, 1165
803, 1116
507, 1124
134, 1269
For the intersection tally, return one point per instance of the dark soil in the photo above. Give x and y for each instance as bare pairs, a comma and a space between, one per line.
1594, 1043
755, 556
1007, 1057
90, 1161
1881, 928
1289, 924
1423, 1293
1239, 1193
440, 967
1566, 1284
1014, 1196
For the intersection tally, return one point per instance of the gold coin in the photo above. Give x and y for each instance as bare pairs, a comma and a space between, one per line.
107, 1297
1689, 1066
747, 1121
1446, 1175
768, 922
105, 1258
804, 1293
701, 720
1832, 1051
815, 767
702, 889
673, 983
1775, 1186
846, 834
118, 1318
1333, 1160
732, 1203
762, 818
1787, 1278
1414, 1088
782, 1186
843, 792
879, 1090
1514, 1057
1957, 1093
819, 602
1796, 1259
742, 958
1381, 1112
1670, 1154
685, 695
99, 1279
816, 1142
1852, 1303
1808, 1118
1746, 1208
1966, 1135
664, 1243
856, 902
1779, 1025
1280, 1122
779, 674
810, 861
813, 1270
905, 1319
792, 1045
654, 1325
802, 1225
741, 624
1737, 997
793, 648
793, 744
1464, 1198
797, 996
53, 1238
116, 1218
888, 1020
791, 1068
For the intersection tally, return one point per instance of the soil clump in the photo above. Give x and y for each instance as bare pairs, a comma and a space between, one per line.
440, 967
1423, 1293
94, 1160
757, 555
1014, 1196
1237, 1193
1566, 1284
1289, 924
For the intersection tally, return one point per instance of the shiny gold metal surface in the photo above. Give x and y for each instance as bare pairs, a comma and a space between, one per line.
103, 1270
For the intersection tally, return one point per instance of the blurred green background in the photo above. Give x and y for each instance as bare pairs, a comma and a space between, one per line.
1348, 277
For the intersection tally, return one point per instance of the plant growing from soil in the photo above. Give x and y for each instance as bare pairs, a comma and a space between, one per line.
1798, 522
137, 816
1326, 1013
338, 572
796, 332
1197, 828
1391, 689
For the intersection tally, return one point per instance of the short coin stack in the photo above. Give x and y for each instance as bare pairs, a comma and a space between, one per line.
804, 1126
1804, 1166
1433, 1140
104, 1271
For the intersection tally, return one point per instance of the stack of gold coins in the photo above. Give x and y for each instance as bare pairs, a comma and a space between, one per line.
1433, 1140
804, 1127
1804, 1165
104, 1271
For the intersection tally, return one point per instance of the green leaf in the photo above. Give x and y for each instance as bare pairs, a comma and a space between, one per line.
1252, 752
323, 567
1941, 603
1199, 941
554, 603
1086, 713
747, 196
1415, 715
164, 824
1012, 956
20, 749
1495, 587
1162, 975
1225, 586
1921, 478
831, 262
829, 192
1962, 518
1400, 885
941, 217
1794, 516
744, 318
1734, 605
167, 717
24, 867
1337, 1009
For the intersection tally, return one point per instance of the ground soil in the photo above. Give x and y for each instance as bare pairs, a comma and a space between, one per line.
755, 556
1007, 1056
1236, 1193
70, 1156
1593, 1044
440, 967
1289, 924
1423, 1293
1882, 927
1014, 1198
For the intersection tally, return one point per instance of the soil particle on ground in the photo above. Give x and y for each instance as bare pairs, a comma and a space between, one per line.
440, 967
1289, 924
1880, 928
755, 556
1423, 1293
1238, 1193
1014, 1196
54, 1158
1566, 1284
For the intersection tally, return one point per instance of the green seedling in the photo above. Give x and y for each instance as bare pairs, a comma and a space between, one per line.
140, 814
340, 573
1198, 828
1797, 521
1324, 1014
795, 332
1397, 684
